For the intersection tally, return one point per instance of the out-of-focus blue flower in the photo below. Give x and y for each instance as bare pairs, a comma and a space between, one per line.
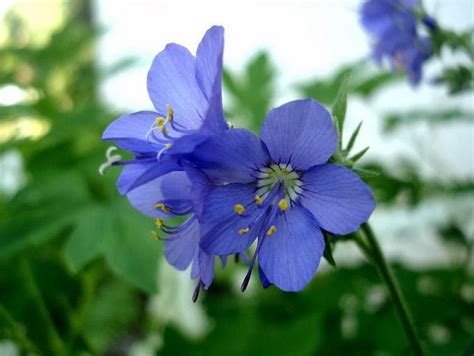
186, 93
392, 24
280, 190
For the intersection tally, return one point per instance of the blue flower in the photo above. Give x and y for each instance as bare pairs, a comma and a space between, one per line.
392, 25
186, 93
280, 190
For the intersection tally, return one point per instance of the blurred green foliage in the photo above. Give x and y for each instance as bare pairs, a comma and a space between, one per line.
364, 82
78, 267
251, 92
71, 249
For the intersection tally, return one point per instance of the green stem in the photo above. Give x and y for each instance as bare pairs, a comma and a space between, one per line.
366, 250
55, 343
395, 292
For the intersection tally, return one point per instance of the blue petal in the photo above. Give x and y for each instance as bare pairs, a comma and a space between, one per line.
130, 173
221, 225
300, 133
338, 199
186, 144
214, 122
209, 76
172, 80
181, 248
290, 257
135, 175
201, 186
129, 132
209, 61
233, 156
206, 268
263, 279
172, 189
376, 16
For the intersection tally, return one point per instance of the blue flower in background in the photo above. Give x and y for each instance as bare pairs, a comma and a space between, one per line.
392, 25
280, 190
186, 93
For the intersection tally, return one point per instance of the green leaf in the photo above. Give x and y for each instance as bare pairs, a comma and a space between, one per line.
250, 93
131, 252
353, 138
339, 107
395, 120
89, 237
458, 78
122, 236
325, 90
328, 250
367, 87
365, 173
452, 232
359, 155
41, 211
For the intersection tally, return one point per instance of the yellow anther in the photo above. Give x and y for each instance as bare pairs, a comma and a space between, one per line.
283, 205
170, 113
258, 200
159, 223
168, 145
239, 209
271, 230
162, 207
155, 235
160, 121
244, 231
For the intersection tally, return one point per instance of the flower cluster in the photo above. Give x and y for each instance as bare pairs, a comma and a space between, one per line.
393, 26
230, 187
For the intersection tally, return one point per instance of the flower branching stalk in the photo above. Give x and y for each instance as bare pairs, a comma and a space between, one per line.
377, 257
365, 237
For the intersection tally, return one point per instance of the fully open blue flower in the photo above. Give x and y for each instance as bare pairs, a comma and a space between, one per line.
393, 27
186, 93
280, 190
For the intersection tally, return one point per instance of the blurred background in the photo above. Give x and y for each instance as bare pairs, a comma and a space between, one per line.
79, 273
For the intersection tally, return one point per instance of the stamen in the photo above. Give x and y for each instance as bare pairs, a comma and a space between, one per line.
197, 289
283, 205
111, 159
258, 200
155, 235
170, 113
159, 223
165, 147
271, 230
244, 231
164, 130
160, 121
162, 207
239, 209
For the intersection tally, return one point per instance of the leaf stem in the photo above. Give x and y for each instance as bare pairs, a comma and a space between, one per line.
394, 290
